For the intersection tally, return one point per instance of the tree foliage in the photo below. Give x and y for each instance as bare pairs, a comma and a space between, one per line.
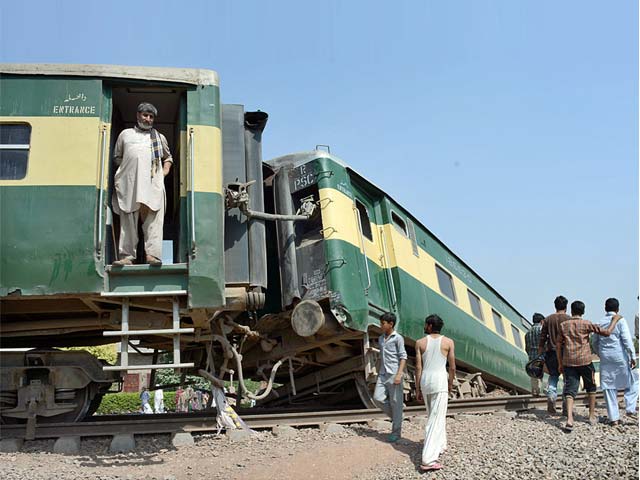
105, 352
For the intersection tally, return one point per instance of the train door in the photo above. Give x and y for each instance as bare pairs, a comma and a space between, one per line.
373, 263
123, 100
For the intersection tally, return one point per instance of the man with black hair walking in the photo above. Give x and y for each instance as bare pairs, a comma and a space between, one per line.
617, 362
388, 395
531, 342
547, 345
574, 358
433, 353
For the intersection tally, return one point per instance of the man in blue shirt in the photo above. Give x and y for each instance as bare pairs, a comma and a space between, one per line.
388, 395
617, 361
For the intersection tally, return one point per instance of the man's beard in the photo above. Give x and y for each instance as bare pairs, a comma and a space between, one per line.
144, 125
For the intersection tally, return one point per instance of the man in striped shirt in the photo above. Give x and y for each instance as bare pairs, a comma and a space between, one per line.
574, 358
531, 340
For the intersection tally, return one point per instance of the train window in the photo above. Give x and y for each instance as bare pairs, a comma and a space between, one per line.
14, 150
412, 237
516, 336
365, 223
399, 223
497, 319
474, 300
446, 283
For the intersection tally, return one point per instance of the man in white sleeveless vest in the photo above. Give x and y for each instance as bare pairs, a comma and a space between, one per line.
432, 354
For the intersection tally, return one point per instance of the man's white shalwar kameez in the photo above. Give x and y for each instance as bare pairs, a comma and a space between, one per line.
615, 353
435, 390
139, 190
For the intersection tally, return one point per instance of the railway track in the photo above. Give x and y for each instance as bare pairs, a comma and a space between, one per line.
206, 422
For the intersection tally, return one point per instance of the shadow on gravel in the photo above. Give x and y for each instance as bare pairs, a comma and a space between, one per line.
410, 448
556, 420
129, 461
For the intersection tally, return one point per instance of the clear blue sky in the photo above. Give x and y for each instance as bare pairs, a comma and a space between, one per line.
509, 128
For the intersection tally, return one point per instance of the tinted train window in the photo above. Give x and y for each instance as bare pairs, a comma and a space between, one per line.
365, 223
399, 224
516, 336
14, 150
446, 283
474, 300
497, 319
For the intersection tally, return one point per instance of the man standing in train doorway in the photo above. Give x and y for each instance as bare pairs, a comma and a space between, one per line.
548, 334
143, 158
388, 395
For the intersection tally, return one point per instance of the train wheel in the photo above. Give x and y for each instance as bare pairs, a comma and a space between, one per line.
79, 397
365, 390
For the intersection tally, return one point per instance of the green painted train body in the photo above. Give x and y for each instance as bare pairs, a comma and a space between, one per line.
55, 236
310, 289
400, 273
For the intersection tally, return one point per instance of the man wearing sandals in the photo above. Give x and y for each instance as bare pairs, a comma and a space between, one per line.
617, 361
574, 358
388, 394
433, 352
143, 158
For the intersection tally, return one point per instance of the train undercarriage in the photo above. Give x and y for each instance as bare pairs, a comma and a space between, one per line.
301, 357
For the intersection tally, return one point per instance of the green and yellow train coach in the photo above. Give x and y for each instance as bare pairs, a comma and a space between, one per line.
275, 271
362, 254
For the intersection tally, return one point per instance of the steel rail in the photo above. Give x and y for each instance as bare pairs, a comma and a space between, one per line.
206, 422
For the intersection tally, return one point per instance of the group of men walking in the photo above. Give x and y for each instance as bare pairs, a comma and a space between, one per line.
566, 341
433, 353
563, 340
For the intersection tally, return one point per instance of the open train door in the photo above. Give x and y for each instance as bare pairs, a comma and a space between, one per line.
374, 271
203, 199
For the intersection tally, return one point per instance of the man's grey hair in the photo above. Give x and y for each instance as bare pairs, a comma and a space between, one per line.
147, 107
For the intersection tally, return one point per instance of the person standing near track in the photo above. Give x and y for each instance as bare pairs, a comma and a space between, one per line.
617, 362
531, 342
433, 352
158, 400
548, 334
144, 399
574, 358
388, 394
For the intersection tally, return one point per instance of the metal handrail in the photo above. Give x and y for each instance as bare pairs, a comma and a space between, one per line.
388, 269
103, 156
364, 253
192, 154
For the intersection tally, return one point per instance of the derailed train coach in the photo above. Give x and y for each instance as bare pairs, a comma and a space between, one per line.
275, 271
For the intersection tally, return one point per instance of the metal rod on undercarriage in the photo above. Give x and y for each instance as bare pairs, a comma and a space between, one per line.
176, 336
291, 378
124, 342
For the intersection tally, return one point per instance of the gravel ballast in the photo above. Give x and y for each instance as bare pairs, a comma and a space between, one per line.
529, 445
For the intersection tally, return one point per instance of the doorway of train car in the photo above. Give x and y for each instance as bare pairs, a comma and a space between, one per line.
171, 122
374, 265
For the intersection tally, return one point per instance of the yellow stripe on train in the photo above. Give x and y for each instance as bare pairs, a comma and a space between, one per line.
62, 151
399, 252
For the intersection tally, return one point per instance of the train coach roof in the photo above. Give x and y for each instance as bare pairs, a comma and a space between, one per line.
296, 159
192, 76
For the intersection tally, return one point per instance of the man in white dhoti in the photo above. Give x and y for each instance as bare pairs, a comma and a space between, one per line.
143, 158
617, 362
432, 354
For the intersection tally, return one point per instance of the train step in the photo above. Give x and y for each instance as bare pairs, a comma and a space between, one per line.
146, 280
